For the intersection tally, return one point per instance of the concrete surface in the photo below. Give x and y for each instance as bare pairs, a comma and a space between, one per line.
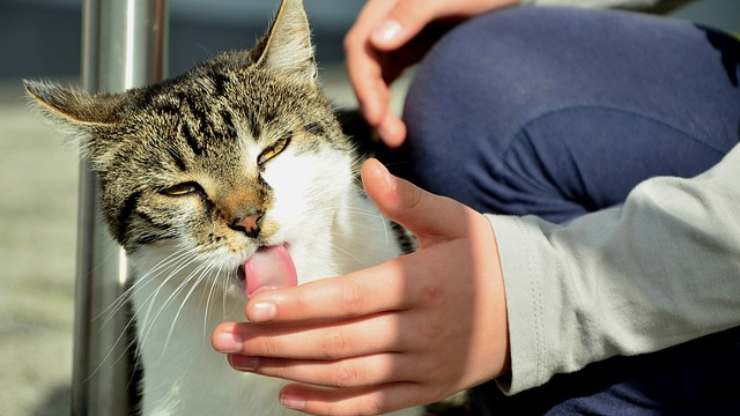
38, 193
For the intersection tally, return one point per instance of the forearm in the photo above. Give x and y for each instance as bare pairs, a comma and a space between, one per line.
661, 270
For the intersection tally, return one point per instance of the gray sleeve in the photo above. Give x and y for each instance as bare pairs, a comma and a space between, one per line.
660, 270
637, 4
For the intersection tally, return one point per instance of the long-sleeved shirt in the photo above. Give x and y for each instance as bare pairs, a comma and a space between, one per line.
661, 269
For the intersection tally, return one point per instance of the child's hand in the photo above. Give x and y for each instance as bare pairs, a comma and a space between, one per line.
410, 331
384, 40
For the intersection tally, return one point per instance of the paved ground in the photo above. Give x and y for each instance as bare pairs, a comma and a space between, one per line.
38, 199
37, 248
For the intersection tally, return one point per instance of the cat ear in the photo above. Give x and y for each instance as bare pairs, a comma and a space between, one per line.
74, 107
288, 46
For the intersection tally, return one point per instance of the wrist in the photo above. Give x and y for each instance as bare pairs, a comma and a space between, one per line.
491, 311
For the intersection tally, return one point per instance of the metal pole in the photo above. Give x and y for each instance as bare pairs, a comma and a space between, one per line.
123, 46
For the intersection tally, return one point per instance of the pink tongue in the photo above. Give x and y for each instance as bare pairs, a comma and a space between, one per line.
269, 268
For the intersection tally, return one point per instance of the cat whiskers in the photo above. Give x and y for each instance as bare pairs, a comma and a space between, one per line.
346, 253
142, 281
149, 326
208, 300
362, 212
203, 274
111, 310
359, 211
121, 336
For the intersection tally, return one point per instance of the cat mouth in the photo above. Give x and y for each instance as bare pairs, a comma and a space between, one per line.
270, 267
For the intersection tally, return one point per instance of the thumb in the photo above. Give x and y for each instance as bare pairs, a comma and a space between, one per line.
428, 216
403, 22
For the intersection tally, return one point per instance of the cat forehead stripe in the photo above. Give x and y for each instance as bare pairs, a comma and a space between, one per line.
177, 157
219, 80
190, 139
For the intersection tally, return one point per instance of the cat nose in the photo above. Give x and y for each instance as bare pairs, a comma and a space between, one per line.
249, 225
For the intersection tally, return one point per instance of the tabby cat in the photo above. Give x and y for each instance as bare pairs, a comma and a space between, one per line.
241, 155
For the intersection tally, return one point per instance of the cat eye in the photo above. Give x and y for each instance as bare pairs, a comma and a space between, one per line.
274, 149
182, 189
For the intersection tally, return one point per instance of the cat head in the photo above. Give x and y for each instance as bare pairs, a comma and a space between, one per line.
240, 152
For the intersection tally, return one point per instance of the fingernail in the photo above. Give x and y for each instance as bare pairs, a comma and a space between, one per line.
243, 363
227, 342
387, 31
292, 401
388, 181
263, 311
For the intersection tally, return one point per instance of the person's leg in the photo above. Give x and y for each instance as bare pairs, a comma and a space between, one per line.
557, 112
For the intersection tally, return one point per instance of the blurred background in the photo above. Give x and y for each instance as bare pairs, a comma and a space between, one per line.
38, 172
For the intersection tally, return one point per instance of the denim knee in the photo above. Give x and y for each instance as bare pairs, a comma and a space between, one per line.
488, 79
465, 105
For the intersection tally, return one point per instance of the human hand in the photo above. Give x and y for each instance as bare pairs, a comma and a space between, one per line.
410, 331
386, 38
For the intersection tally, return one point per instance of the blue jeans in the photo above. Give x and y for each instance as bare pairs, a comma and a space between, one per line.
559, 112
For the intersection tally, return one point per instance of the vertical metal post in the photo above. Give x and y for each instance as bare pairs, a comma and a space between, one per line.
123, 46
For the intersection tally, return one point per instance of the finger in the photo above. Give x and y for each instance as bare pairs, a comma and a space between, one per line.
402, 23
392, 130
427, 215
351, 402
373, 335
366, 77
364, 65
381, 288
352, 372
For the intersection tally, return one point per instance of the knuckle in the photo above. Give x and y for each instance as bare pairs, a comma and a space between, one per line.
332, 409
346, 376
268, 347
407, 12
272, 371
294, 304
432, 293
373, 406
412, 197
334, 346
351, 299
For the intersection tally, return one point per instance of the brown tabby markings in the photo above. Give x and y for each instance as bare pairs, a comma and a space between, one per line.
187, 129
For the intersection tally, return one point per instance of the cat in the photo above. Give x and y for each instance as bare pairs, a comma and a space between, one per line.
199, 173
